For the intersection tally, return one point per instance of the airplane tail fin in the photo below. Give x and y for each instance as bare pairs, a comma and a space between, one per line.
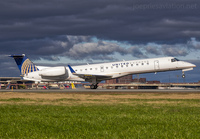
24, 64
8, 87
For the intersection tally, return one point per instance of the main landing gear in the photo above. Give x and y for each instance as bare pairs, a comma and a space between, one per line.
93, 86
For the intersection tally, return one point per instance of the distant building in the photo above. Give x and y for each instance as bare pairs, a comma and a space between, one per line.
141, 80
135, 80
153, 82
6, 79
121, 80
128, 79
111, 81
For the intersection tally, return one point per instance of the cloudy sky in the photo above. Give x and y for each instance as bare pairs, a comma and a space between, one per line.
59, 32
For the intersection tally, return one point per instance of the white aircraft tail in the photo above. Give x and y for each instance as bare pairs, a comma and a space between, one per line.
8, 87
24, 64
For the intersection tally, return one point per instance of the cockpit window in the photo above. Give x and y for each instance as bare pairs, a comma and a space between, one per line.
174, 60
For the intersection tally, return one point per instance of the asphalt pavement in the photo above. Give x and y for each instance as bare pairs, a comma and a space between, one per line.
104, 91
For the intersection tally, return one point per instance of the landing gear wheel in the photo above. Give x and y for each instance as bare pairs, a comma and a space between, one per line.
93, 86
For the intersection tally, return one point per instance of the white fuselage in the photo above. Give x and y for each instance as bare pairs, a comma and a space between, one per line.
112, 69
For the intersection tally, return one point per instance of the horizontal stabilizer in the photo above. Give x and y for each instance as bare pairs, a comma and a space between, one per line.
17, 55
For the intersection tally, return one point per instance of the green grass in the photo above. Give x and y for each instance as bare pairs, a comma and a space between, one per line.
141, 120
16, 99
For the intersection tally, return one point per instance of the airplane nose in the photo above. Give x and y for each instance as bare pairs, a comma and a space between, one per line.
191, 65
187, 64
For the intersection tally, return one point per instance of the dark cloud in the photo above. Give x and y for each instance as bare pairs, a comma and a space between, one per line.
136, 52
152, 50
173, 51
8, 67
193, 44
136, 21
95, 50
42, 48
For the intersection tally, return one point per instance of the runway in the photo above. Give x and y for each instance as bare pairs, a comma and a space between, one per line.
105, 91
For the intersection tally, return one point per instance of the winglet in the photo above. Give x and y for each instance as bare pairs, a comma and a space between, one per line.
72, 71
17, 55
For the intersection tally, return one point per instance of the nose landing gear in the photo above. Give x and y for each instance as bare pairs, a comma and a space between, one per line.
183, 75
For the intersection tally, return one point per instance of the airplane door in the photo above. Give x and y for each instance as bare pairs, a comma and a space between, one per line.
156, 65
102, 68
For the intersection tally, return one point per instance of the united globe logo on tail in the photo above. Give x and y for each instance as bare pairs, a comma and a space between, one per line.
24, 64
28, 67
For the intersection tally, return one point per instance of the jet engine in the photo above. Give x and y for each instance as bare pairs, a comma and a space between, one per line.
54, 73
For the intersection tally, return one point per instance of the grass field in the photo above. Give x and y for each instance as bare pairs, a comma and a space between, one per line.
38, 115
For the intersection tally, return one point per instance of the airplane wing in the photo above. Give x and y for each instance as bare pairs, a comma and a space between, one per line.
89, 77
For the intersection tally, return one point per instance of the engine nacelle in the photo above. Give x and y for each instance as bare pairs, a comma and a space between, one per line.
54, 73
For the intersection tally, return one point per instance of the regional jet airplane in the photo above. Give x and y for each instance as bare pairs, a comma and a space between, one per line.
95, 73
